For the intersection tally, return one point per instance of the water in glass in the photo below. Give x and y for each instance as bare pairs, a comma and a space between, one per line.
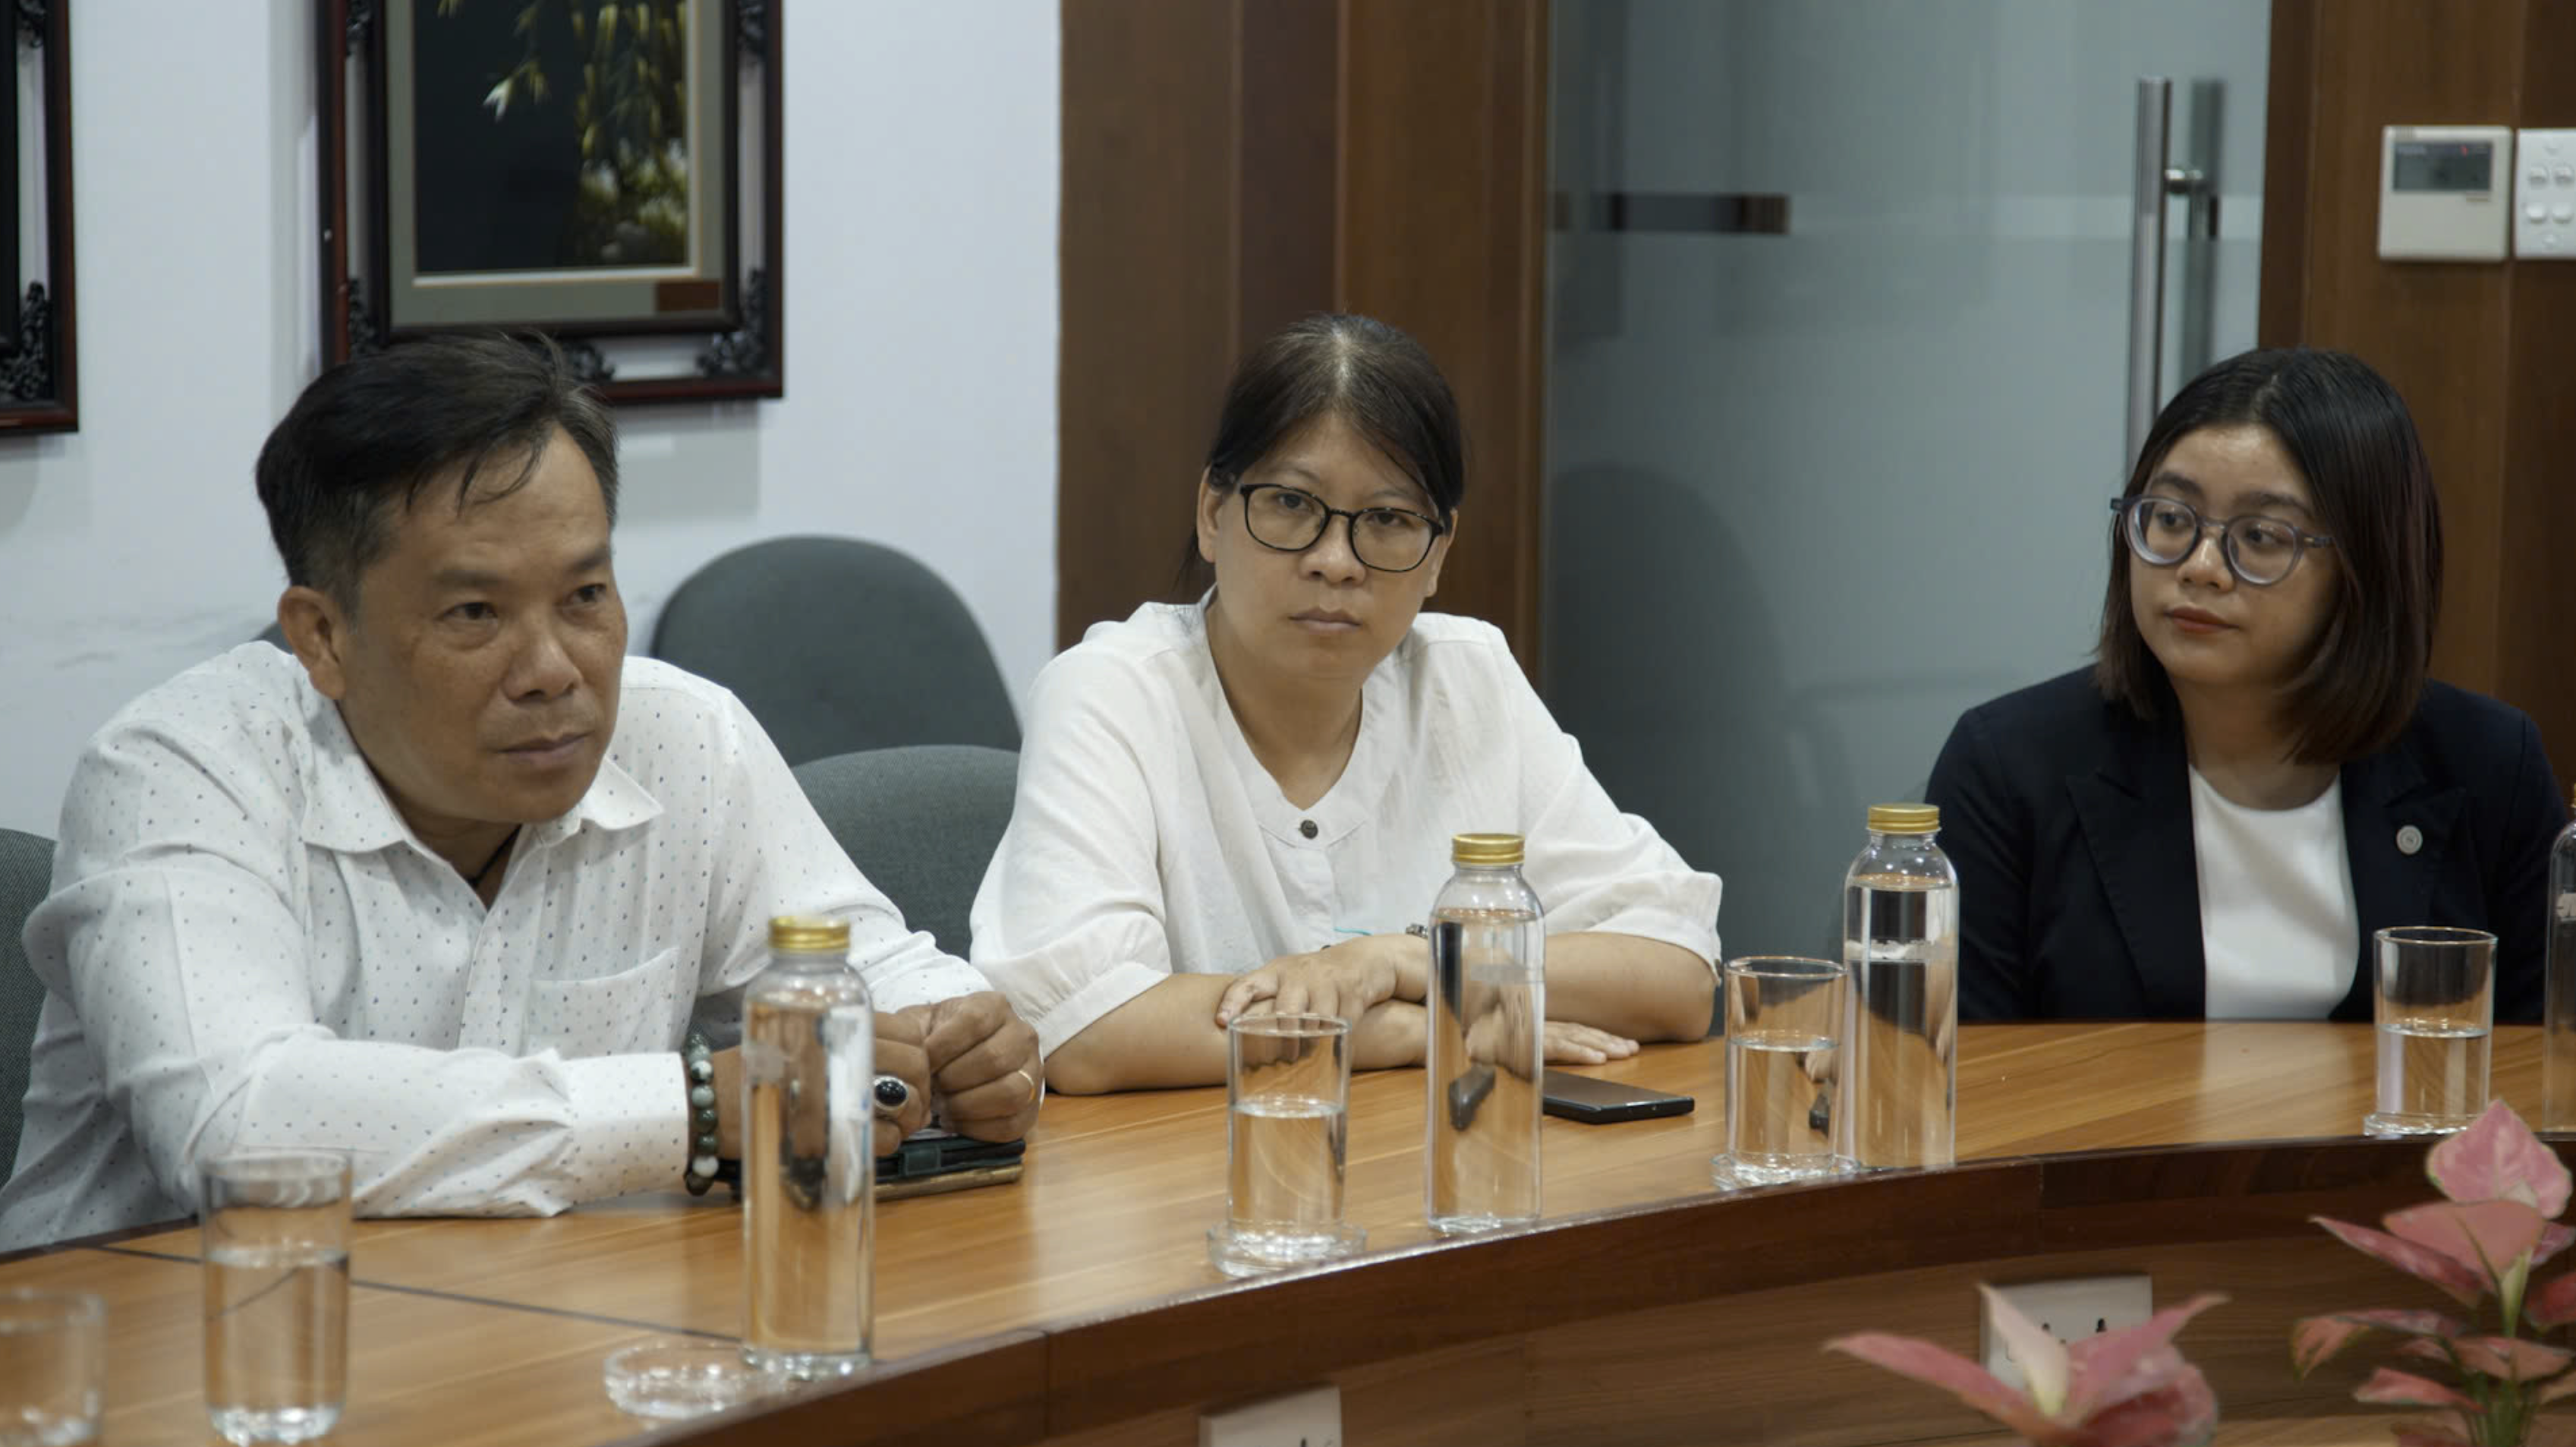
277, 1340
2434, 1008
2432, 1073
1285, 1162
1775, 1083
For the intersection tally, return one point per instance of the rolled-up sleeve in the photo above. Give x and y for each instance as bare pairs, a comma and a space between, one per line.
1069, 922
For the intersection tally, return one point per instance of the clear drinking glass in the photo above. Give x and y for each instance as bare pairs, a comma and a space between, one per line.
53, 1367
2434, 1003
1287, 1095
1784, 1020
275, 1226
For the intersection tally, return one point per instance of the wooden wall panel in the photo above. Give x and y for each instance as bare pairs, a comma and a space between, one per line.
2436, 330
1232, 165
1445, 180
1146, 253
2536, 663
1287, 168
2482, 352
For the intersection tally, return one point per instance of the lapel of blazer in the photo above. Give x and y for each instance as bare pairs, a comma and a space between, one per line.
2383, 796
2136, 814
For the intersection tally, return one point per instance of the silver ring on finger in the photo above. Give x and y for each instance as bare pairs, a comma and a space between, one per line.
892, 1095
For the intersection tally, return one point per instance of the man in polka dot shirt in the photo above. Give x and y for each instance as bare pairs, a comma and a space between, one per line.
446, 887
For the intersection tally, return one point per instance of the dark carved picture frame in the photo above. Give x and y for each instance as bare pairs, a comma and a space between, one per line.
728, 350
39, 375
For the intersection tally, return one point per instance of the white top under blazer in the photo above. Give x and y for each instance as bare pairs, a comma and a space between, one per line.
2278, 924
1147, 839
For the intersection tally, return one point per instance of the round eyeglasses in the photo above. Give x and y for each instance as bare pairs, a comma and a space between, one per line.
1290, 520
2163, 531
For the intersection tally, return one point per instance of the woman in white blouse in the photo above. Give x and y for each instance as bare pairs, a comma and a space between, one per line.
1240, 804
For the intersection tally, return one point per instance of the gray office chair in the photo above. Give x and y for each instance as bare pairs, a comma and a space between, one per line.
838, 645
921, 822
26, 874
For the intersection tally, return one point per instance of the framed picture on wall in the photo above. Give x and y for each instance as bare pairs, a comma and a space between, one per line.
38, 375
603, 171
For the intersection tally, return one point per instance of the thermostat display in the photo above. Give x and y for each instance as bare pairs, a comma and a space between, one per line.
2445, 192
2444, 166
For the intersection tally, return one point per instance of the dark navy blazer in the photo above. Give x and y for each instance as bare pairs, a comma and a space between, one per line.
2069, 819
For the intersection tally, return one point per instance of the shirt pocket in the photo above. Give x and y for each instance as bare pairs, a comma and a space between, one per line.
633, 1011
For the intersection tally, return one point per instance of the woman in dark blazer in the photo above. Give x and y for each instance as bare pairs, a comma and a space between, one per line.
2255, 774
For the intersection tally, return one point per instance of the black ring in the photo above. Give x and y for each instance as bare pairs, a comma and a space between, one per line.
892, 1094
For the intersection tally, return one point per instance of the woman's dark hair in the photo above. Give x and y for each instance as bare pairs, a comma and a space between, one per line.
370, 433
2350, 436
1374, 377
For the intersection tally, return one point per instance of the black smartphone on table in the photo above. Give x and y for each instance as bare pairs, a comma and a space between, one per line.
931, 1162
1601, 1102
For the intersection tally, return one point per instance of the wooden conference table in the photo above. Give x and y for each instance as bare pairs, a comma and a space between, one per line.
1077, 1305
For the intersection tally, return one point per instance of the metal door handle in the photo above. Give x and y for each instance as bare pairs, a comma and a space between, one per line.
2156, 178
2147, 261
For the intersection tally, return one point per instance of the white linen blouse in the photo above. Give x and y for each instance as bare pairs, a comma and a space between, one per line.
1146, 838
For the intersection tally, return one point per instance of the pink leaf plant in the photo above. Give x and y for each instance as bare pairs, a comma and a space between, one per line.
2502, 1190
2126, 1388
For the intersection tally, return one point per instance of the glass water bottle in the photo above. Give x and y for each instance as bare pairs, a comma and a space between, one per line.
1487, 1004
2558, 1016
1901, 1032
809, 1163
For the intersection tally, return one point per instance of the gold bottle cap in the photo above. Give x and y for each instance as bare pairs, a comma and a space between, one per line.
809, 934
1485, 848
1904, 818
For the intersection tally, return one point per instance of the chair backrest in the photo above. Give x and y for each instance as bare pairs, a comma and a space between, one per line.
837, 645
921, 822
26, 873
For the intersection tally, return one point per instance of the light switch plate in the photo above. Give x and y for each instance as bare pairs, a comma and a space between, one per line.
2544, 195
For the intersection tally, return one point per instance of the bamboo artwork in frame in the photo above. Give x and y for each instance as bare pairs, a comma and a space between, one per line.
39, 377
604, 172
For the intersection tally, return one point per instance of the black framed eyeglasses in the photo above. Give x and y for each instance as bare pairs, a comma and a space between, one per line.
1290, 520
2261, 550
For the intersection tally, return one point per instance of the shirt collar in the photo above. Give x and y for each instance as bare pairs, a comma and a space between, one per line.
1355, 799
346, 810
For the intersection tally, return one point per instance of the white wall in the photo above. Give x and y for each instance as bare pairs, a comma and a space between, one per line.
921, 148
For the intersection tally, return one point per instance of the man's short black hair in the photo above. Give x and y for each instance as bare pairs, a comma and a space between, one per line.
370, 433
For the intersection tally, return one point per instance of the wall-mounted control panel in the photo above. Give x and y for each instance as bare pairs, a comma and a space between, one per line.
2445, 192
2544, 196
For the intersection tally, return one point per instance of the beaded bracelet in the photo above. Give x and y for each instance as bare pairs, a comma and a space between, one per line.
698, 1059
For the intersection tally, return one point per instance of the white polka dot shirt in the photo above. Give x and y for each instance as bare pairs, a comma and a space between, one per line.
246, 946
